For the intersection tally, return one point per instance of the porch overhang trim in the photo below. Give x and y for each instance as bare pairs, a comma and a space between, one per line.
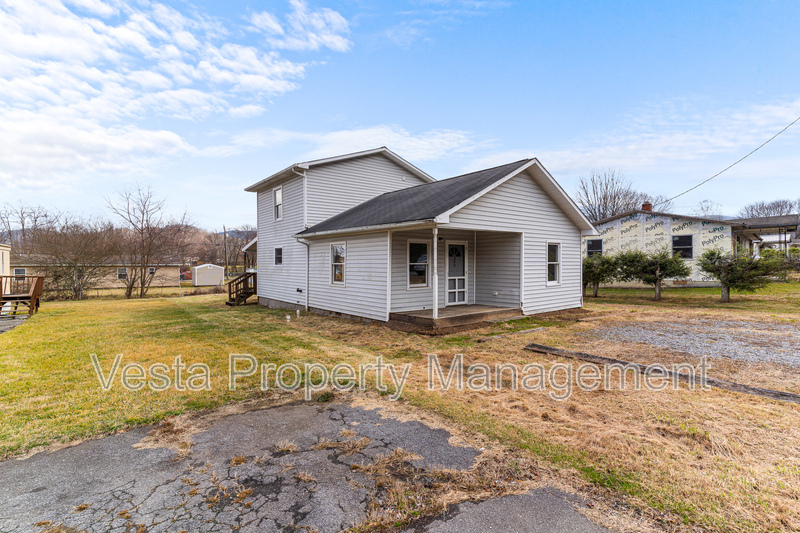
367, 229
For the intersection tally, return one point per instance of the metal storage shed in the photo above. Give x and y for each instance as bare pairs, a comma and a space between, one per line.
207, 275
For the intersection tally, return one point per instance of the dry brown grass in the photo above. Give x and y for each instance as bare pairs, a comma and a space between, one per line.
718, 460
286, 446
304, 477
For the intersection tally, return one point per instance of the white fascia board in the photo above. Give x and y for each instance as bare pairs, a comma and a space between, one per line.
249, 244
316, 162
445, 217
589, 232
382, 150
265, 183
568, 198
366, 229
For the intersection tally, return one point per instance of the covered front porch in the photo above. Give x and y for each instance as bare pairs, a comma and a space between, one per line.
445, 277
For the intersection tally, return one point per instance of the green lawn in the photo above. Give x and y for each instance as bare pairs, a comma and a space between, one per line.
50, 392
782, 298
635, 446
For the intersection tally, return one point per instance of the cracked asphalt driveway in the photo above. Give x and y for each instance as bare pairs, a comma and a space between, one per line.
293, 467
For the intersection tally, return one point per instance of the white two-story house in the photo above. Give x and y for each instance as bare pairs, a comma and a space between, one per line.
370, 235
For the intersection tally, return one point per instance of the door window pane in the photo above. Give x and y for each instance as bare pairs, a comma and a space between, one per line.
456, 260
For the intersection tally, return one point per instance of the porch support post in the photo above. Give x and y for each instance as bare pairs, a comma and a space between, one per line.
435, 280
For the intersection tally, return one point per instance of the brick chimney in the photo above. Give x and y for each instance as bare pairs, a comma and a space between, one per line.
647, 206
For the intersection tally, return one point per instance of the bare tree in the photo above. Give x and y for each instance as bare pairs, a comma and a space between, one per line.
150, 239
609, 193
75, 253
19, 224
212, 248
775, 208
708, 209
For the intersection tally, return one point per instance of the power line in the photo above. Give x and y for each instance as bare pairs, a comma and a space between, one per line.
733, 164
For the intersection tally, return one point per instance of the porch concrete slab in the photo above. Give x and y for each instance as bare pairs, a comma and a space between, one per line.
455, 315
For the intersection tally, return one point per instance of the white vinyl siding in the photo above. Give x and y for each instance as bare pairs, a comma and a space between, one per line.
281, 282
336, 187
521, 205
405, 299
497, 269
364, 291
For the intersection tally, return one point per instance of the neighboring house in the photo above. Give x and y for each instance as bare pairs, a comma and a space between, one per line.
778, 233
370, 235
5, 259
114, 276
687, 236
208, 275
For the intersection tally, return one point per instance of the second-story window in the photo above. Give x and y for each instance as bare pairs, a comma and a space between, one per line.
278, 198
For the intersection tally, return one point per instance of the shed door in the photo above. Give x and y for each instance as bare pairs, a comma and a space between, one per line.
456, 274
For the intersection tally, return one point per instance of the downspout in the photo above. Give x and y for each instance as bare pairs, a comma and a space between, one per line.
308, 261
305, 227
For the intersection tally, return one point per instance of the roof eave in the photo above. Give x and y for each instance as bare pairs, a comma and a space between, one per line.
365, 229
263, 184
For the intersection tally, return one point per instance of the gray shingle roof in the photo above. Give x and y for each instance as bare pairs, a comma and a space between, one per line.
423, 202
768, 222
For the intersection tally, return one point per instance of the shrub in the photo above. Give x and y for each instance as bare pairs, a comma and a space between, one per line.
651, 269
598, 269
741, 271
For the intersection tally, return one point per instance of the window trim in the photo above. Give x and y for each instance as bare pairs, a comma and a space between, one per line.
590, 254
547, 263
332, 264
691, 235
276, 206
125, 273
275, 256
427, 285
151, 271
24, 272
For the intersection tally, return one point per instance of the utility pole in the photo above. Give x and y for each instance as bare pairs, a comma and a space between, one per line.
225, 244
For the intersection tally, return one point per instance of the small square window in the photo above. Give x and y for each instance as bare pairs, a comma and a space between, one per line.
682, 246
278, 256
594, 247
151, 270
20, 272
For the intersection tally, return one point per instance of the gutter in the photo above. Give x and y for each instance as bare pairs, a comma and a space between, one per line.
363, 229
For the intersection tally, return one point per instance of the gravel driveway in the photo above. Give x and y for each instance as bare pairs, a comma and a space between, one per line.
757, 342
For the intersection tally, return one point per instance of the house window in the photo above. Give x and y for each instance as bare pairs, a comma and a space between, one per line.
594, 247
553, 263
151, 270
417, 264
122, 273
277, 196
278, 256
338, 252
21, 272
682, 246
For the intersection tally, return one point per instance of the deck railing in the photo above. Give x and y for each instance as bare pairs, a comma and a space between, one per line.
20, 295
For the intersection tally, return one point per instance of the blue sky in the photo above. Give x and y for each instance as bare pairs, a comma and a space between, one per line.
201, 99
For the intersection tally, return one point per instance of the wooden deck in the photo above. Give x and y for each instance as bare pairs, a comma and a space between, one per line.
456, 315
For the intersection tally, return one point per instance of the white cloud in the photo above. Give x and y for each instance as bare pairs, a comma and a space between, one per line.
668, 137
424, 146
79, 78
306, 29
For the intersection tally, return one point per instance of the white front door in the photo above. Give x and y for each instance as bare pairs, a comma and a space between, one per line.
456, 273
